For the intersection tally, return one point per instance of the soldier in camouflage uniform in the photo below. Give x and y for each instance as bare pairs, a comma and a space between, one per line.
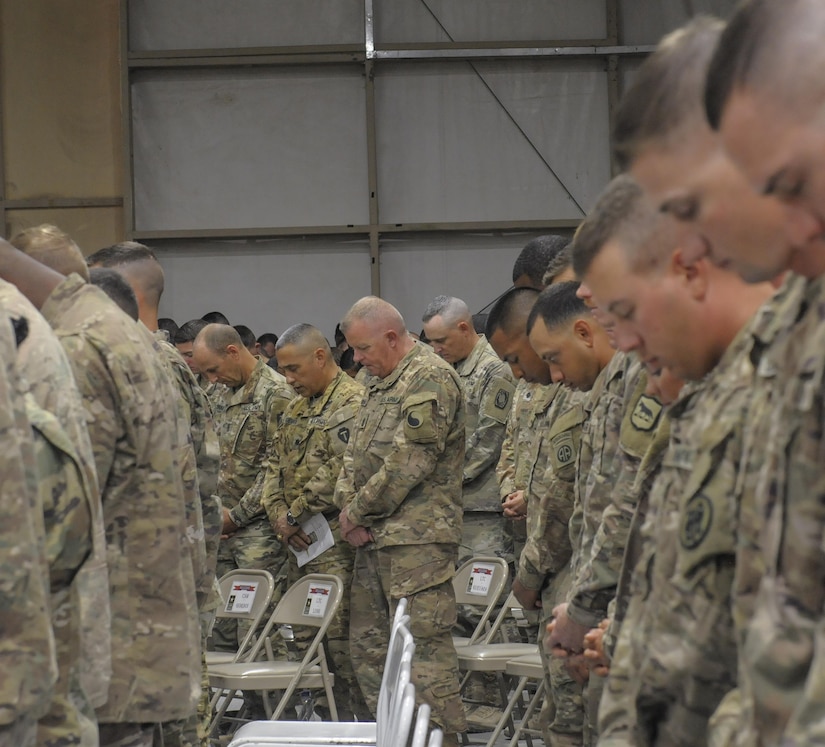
558, 326
488, 395
399, 492
155, 643
27, 648
42, 363
249, 414
756, 62
300, 483
656, 695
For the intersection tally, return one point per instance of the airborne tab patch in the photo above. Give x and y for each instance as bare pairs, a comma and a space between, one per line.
646, 414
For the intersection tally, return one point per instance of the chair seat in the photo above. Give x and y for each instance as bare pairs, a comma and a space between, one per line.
263, 675
526, 666
219, 657
491, 657
305, 734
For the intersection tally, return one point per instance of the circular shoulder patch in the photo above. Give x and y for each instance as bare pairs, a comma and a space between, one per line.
413, 420
696, 521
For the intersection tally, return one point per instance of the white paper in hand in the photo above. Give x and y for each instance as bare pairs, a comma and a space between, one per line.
317, 529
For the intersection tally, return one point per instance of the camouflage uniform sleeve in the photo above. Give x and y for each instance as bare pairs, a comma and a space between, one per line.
484, 445
506, 466
319, 490
414, 452
27, 647
547, 550
598, 575
250, 506
101, 410
272, 488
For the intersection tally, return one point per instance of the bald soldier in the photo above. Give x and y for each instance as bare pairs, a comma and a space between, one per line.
300, 484
127, 398
399, 490
249, 411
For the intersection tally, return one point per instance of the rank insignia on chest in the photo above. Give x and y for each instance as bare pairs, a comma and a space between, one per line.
343, 434
646, 414
502, 398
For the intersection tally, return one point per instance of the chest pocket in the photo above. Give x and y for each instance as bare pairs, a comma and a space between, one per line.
248, 426
707, 506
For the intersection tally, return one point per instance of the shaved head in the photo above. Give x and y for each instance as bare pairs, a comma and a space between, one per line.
217, 337
771, 47
511, 311
451, 309
52, 247
305, 337
375, 312
137, 263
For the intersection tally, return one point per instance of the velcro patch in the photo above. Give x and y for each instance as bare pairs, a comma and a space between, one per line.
502, 399
343, 434
646, 413
696, 521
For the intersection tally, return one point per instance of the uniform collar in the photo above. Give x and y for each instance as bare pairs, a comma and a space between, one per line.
390, 380
468, 365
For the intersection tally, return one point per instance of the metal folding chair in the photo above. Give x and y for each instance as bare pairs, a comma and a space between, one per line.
480, 583
311, 601
245, 595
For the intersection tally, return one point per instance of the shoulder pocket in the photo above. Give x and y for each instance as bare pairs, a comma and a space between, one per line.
419, 415
339, 428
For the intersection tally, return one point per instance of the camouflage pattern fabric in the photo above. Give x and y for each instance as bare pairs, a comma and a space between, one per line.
27, 647
42, 363
301, 476
779, 594
401, 479
249, 417
65, 497
128, 401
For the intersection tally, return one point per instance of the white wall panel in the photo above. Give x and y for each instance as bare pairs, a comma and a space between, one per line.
460, 144
249, 148
198, 24
267, 285
474, 267
487, 20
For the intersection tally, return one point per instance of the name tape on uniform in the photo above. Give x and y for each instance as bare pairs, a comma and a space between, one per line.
317, 599
480, 579
241, 596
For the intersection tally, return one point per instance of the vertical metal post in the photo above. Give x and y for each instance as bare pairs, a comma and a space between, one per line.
3, 223
127, 156
372, 150
613, 87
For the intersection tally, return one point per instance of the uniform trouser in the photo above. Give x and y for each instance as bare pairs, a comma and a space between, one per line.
338, 561
254, 546
423, 574
567, 723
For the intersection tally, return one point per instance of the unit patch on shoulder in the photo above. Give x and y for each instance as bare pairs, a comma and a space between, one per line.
502, 398
413, 420
646, 414
343, 434
563, 449
696, 521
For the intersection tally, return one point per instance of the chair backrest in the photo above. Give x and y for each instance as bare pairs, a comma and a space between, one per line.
436, 737
480, 582
397, 674
245, 595
422, 723
512, 607
398, 730
311, 601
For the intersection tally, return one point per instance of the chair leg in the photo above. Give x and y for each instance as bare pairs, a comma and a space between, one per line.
506, 716
531, 708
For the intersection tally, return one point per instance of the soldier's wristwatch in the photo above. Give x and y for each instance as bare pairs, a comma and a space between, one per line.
291, 520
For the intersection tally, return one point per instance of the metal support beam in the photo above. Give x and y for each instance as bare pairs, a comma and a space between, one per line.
372, 149
465, 53
126, 125
613, 88
41, 203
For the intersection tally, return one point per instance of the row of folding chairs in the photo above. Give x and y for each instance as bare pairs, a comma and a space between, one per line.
394, 722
